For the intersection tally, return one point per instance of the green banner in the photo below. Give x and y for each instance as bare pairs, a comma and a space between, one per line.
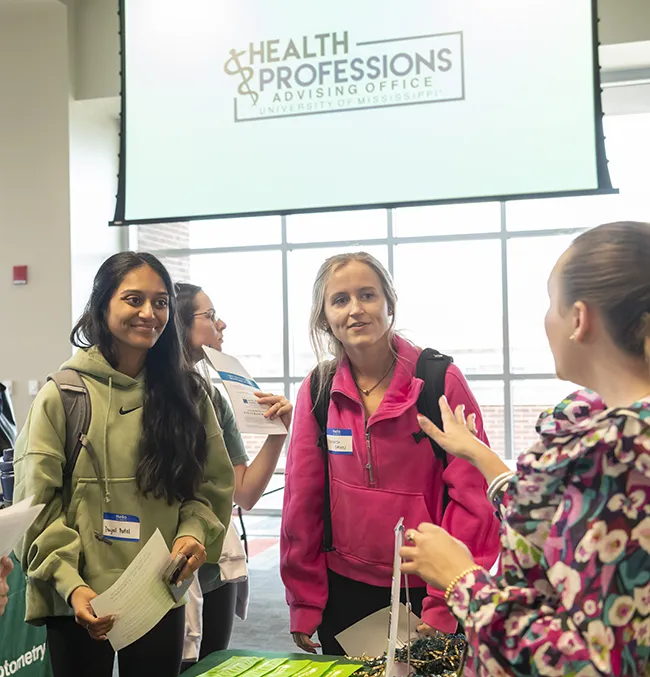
22, 646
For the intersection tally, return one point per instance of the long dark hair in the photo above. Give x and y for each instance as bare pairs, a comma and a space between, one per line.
173, 446
185, 295
610, 269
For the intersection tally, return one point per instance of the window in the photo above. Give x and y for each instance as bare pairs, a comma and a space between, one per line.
246, 289
482, 217
530, 261
235, 283
448, 269
337, 226
235, 232
530, 399
450, 299
490, 398
554, 213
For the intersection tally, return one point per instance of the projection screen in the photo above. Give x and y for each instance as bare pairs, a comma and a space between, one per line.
243, 107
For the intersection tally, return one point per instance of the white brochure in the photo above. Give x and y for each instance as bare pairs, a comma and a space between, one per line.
14, 522
249, 413
140, 597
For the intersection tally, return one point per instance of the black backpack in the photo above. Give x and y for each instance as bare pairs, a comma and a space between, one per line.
431, 367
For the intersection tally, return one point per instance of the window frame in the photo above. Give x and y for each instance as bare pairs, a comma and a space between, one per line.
503, 236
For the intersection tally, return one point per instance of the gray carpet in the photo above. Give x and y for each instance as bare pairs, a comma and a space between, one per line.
267, 625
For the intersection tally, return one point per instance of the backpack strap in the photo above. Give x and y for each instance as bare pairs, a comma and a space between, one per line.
76, 404
432, 367
320, 399
7, 421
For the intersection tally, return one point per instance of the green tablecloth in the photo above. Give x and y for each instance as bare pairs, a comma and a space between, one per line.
221, 656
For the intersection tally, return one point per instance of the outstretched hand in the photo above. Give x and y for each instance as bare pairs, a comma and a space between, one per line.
458, 436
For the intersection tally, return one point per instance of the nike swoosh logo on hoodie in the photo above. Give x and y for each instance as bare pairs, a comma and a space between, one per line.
123, 411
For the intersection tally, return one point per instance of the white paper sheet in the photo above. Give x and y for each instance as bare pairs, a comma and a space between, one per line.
369, 635
240, 387
394, 600
14, 522
139, 598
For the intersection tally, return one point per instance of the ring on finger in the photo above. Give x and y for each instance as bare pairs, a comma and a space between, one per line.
410, 536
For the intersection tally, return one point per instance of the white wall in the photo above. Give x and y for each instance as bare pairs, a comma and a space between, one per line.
34, 193
58, 180
97, 28
624, 21
94, 147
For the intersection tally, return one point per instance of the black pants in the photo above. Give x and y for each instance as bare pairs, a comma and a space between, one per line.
350, 601
74, 653
218, 619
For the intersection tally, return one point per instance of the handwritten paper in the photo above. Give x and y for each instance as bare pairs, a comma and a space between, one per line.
249, 413
139, 598
15, 521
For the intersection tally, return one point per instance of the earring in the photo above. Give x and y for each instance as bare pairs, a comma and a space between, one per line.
573, 336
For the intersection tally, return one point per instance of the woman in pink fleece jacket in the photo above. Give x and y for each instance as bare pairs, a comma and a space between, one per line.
379, 472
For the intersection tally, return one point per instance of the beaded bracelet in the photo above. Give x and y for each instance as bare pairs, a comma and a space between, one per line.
453, 584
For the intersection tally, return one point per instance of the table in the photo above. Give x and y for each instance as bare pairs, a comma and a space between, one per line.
220, 656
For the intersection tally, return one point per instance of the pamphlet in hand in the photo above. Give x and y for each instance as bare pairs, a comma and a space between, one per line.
15, 521
249, 413
142, 595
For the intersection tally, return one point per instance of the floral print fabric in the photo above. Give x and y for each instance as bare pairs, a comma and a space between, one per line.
573, 596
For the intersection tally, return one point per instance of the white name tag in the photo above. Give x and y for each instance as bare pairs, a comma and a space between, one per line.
119, 527
339, 441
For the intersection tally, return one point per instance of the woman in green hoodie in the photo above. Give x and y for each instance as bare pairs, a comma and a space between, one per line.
154, 452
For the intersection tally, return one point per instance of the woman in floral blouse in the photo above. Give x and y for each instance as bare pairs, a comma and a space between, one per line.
573, 595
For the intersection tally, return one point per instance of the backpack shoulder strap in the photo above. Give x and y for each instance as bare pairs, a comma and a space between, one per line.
432, 367
320, 399
76, 404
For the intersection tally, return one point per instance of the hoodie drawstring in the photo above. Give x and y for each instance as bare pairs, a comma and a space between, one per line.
107, 493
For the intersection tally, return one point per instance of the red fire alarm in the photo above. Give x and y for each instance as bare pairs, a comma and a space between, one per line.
20, 274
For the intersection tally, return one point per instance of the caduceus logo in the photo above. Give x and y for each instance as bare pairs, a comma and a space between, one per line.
234, 67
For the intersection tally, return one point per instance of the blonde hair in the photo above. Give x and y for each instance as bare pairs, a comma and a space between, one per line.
321, 337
